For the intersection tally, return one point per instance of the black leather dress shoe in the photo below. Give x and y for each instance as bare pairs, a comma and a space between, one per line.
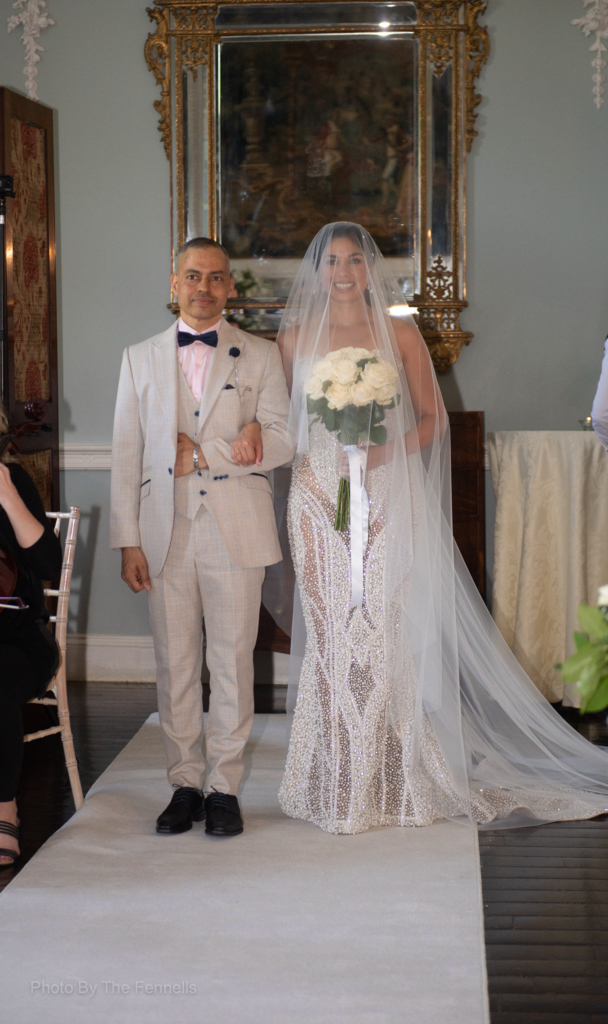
187, 805
223, 815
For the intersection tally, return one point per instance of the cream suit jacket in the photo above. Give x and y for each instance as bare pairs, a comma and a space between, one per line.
145, 442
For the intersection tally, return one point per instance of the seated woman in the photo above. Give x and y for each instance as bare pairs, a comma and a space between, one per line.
28, 653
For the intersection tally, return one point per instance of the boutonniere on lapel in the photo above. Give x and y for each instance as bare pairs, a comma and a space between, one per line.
235, 353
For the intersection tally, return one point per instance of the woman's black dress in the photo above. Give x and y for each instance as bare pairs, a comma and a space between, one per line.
28, 652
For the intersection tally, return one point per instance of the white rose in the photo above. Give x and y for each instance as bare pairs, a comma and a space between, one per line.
377, 375
385, 394
338, 396
324, 370
346, 371
602, 596
349, 353
361, 394
314, 388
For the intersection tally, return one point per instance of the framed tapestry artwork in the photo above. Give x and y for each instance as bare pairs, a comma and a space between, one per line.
29, 362
279, 117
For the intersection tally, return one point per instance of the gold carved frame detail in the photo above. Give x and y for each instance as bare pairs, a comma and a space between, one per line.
185, 38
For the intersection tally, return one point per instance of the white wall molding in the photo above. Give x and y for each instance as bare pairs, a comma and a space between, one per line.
85, 456
130, 659
278, 674
110, 659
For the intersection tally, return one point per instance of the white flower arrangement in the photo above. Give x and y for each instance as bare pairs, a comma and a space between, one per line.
352, 376
350, 391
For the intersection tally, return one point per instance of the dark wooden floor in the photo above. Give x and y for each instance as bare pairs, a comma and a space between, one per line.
545, 893
545, 889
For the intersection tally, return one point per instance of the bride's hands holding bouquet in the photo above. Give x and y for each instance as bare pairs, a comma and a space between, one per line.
350, 392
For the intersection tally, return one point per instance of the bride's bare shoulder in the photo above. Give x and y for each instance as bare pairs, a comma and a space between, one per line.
407, 336
289, 334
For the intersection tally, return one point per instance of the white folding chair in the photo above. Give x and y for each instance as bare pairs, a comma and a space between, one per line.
58, 685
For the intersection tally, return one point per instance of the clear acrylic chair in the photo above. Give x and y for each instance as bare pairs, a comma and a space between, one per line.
58, 684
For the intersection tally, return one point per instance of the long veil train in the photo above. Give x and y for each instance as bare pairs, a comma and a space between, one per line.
510, 758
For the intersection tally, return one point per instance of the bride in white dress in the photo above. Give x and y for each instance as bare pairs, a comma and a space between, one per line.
410, 707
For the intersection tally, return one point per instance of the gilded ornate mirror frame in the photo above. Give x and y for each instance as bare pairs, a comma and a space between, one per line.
186, 42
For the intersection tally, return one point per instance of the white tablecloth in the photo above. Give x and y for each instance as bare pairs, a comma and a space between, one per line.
551, 543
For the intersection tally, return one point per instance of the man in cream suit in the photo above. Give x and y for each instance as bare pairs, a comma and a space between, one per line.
192, 512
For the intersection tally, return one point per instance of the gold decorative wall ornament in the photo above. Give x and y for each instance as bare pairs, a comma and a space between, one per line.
442, 17
156, 52
194, 27
439, 12
478, 44
439, 280
440, 50
277, 117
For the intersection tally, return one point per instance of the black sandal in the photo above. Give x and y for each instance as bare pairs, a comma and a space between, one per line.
8, 829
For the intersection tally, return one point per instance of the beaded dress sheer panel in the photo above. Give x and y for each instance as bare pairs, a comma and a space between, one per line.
410, 706
354, 759
348, 766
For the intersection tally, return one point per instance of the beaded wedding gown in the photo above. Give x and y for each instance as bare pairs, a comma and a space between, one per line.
347, 766
409, 708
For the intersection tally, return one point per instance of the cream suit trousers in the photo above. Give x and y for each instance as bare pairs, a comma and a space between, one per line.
200, 579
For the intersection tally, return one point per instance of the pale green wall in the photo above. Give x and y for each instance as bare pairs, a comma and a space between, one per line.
537, 236
537, 225
537, 242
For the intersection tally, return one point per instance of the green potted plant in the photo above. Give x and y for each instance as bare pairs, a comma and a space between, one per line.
588, 666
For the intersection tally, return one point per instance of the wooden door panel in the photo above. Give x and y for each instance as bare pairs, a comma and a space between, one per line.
468, 492
30, 358
465, 493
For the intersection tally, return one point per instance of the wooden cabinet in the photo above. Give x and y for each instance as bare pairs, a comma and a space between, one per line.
468, 491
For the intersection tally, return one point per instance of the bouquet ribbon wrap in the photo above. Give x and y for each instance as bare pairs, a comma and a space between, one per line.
359, 523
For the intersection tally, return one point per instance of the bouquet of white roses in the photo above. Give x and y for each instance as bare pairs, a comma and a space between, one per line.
350, 391
588, 666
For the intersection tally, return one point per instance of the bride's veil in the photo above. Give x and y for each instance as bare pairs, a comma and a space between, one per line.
495, 730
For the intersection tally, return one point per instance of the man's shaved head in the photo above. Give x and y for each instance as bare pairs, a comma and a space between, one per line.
201, 243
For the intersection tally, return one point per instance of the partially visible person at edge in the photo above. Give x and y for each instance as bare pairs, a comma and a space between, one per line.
28, 653
599, 412
192, 512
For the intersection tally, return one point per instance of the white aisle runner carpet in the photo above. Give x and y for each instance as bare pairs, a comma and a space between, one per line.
282, 925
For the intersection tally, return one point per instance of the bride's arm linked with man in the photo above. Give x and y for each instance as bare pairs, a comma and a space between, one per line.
411, 707
201, 417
